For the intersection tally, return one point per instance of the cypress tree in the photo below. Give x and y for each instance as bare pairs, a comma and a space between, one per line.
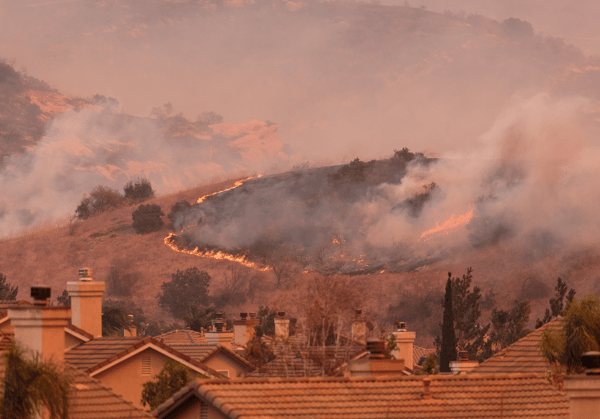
448, 347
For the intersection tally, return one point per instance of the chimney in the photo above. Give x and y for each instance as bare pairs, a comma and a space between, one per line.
375, 364
463, 364
359, 327
86, 302
404, 341
583, 390
282, 326
218, 335
243, 329
39, 327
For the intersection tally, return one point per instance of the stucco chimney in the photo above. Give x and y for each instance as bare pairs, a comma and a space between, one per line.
39, 327
282, 326
218, 335
243, 329
463, 363
404, 341
359, 327
584, 390
375, 364
86, 302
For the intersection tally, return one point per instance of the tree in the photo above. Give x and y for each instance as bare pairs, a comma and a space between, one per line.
30, 384
179, 207
7, 292
201, 318
64, 300
122, 278
171, 378
146, 218
557, 305
139, 190
115, 318
580, 333
448, 342
466, 313
429, 367
508, 326
186, 289
100, 199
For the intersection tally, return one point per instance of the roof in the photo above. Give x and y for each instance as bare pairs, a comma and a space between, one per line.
434, 396
419, 353
181, 337
78, 332
101, 353
91, 400
204, 351
522, 356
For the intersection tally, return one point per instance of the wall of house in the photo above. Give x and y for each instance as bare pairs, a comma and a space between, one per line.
71, 341
192, 409
222, 362
126, 378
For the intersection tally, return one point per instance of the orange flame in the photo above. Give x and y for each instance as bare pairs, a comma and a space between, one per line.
219, 255
449, 224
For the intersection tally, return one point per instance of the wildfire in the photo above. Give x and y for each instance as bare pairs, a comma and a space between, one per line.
219, 255
235, 185
449, 224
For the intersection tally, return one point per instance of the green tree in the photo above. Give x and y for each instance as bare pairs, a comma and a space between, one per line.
508, 326
100, 199
448, 341
115, 318
201, 318
429, 367
186, 289
146, 218
7, 292
557, 304
179, 207
171, 378
580, 333
30, 384
64, 300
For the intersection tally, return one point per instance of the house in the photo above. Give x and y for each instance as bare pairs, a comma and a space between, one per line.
436, 396
218, 357
524, 355
139, 359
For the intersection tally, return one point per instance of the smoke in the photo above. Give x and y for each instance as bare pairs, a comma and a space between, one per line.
530, 189
100, 145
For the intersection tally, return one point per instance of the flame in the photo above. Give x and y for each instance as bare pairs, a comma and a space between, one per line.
235, 185
219, 255
449, 224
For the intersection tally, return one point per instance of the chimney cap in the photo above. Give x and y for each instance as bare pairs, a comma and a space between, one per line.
252, 315
463, 355
85, 274
40, 294
401, 326
376, 348
281, 313
358, 312
243, 315
591, 362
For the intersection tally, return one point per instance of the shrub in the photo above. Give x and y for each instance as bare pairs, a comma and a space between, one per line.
100, 199
146, 218
7, 291
122, 278
139, 190
177, 208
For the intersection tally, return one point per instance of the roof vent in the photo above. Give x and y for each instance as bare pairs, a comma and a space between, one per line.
40, 294
85, 274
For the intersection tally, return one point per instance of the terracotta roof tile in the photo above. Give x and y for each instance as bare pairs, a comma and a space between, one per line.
419, 353
204, 351
100, 352
522, 356
438, 396
181, 337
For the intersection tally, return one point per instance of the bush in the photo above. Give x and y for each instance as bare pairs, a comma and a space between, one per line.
7, 292
100, 199
139, 190
186, 289
177, 208
146, 218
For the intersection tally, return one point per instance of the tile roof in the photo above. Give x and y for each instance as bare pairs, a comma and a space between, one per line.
91, 400
419, 353
204, 351
181, 337
434, 396
522, 356
101, 352
76, 330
